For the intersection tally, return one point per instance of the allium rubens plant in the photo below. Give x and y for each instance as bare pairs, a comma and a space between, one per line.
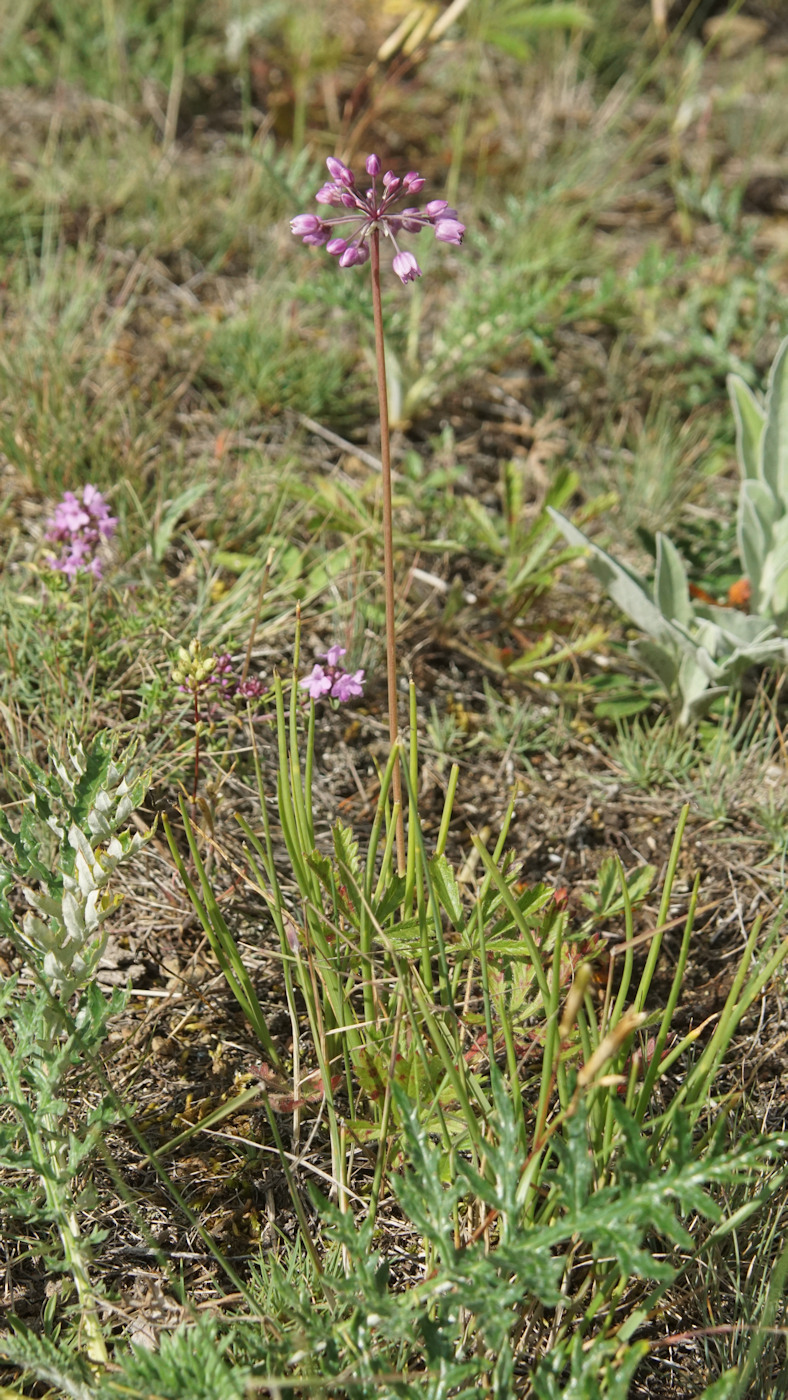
366, 216
70, 841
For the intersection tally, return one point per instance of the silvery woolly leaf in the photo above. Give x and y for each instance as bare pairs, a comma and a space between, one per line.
85, 875
757, 512
78, 841
73, 911
737, 628
694, 681
99, 825
37, 933
671, 589
628, 590
774, 574
756, 654
774, 443
695, 708
703, 643
750, 419
661, 662
42, 903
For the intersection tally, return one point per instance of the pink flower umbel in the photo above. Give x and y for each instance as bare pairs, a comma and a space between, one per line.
373, 210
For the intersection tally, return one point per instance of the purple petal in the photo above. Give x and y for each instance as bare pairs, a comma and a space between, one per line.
373, 166
251, 689
449, 231
333, 655
317, 683
412, 220
335, 246
346, 686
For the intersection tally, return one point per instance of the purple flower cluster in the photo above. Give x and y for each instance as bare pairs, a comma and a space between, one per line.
224, 678
332, 680
80, 527
372, 210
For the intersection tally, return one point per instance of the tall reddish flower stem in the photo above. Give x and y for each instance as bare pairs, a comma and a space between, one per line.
388, 536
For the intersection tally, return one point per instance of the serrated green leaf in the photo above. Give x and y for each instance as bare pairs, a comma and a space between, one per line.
447, 890
346, 850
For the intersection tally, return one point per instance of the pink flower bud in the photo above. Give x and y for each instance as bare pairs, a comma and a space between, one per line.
413, 182
354, 255
412, 220
304, 223
373, 166
339, 171
329, 194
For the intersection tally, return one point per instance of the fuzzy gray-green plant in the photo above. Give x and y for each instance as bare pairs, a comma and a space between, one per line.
762, 519
69, 842
698, 651
62, 857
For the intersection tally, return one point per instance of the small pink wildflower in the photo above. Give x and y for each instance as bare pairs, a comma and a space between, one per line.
317, 683
331, 679
346, 686
373, 209
251, 689
80, 527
